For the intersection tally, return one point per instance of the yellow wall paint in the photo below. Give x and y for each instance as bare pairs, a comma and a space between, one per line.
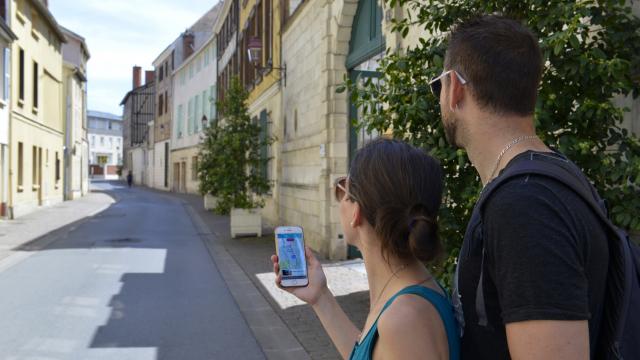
272, 77
40, 126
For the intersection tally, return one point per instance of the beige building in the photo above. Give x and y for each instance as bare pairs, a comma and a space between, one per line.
6, 38
75, 55
164, 65
36, 131
194, 83
321, 43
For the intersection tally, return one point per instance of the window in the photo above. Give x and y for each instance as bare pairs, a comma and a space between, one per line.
197, 113
102, 140
57, 167
268, 27
111, 142
194, 168
166, 102
20, 165
93, 140
160, 104
212, 103
206, 57
166, 68
190, 117
34, 165
35, 85
264, 147
21, 76
205, 100
180, 121
6, 63
3, 9
160, 74
199, 63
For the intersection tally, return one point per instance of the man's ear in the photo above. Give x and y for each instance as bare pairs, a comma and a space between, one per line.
456, 92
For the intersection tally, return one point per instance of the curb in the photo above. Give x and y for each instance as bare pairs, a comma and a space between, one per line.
273, 336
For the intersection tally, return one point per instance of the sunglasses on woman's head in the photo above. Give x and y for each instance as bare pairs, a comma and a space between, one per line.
340, 186
436, 83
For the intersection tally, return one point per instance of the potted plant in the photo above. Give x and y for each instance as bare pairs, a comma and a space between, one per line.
231, 166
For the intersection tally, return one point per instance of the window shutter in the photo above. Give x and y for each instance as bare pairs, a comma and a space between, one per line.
7, 73
263, 143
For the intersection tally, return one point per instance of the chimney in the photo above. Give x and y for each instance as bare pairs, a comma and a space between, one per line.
187, 44
149, 76
137, 72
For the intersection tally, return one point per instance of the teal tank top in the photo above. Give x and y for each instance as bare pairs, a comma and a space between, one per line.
364, 349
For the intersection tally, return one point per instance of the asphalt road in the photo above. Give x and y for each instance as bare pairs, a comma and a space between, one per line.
132, 282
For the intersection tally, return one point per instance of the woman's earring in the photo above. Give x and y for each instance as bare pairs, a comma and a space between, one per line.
352, 224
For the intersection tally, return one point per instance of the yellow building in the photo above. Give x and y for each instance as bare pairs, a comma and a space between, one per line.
264, 76
36, 128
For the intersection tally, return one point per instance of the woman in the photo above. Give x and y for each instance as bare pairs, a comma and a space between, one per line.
388, 206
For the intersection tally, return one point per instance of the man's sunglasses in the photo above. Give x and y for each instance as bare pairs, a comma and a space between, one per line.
340, 188
436, 83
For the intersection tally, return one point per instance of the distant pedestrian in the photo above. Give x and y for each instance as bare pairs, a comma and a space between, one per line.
388, 206
130, 178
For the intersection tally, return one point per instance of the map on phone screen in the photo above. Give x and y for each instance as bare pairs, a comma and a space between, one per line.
291, 256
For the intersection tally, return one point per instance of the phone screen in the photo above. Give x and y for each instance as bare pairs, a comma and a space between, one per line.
292, 262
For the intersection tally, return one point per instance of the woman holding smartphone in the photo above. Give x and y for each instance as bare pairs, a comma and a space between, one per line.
388, 206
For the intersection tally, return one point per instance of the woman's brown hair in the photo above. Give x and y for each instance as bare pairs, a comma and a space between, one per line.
399, 189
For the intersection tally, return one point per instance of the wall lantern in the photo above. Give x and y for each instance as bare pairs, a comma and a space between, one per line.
254, 52
205, 122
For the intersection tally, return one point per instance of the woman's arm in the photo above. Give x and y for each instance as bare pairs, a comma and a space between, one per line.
341, 330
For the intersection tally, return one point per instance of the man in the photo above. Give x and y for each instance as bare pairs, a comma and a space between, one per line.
130, 178
531, 274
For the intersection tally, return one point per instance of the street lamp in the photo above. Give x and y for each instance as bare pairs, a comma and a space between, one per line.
254, 52
205, 122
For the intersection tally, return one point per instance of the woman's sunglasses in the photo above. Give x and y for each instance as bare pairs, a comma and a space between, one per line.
340, 186
436, 83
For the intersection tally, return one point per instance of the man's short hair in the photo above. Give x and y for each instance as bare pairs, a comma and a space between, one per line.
501, 60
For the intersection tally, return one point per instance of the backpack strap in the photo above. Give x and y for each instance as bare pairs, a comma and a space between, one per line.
568, 174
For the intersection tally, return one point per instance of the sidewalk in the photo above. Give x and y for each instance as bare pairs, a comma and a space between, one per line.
19, 238
346, 279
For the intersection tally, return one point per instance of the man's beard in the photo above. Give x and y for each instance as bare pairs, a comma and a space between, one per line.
450, 124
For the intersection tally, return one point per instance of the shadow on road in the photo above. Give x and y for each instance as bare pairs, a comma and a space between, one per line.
171, 297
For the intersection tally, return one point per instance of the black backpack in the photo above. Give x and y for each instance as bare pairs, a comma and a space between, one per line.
619, 336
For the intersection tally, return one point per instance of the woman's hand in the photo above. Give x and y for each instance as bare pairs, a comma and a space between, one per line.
317, 281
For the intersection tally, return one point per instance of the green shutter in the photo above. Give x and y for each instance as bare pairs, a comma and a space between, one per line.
190, 117
367, 39
263, 143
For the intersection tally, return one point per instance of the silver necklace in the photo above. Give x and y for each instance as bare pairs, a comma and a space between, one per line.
506, 148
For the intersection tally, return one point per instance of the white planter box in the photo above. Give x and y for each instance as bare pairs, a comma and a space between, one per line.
210, 202
246, 222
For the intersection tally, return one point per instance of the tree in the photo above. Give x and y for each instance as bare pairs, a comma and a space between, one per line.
230, 166
592, 54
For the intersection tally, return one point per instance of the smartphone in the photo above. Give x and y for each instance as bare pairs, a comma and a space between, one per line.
291, 258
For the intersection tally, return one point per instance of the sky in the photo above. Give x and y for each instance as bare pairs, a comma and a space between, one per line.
121, 34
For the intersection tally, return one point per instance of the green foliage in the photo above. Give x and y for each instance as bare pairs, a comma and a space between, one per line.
229, 159
592, 53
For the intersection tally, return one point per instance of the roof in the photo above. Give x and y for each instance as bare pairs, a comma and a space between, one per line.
142, 87
44, 10
103, 115
83, 42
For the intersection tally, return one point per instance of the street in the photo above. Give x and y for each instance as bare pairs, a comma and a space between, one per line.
132, 282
